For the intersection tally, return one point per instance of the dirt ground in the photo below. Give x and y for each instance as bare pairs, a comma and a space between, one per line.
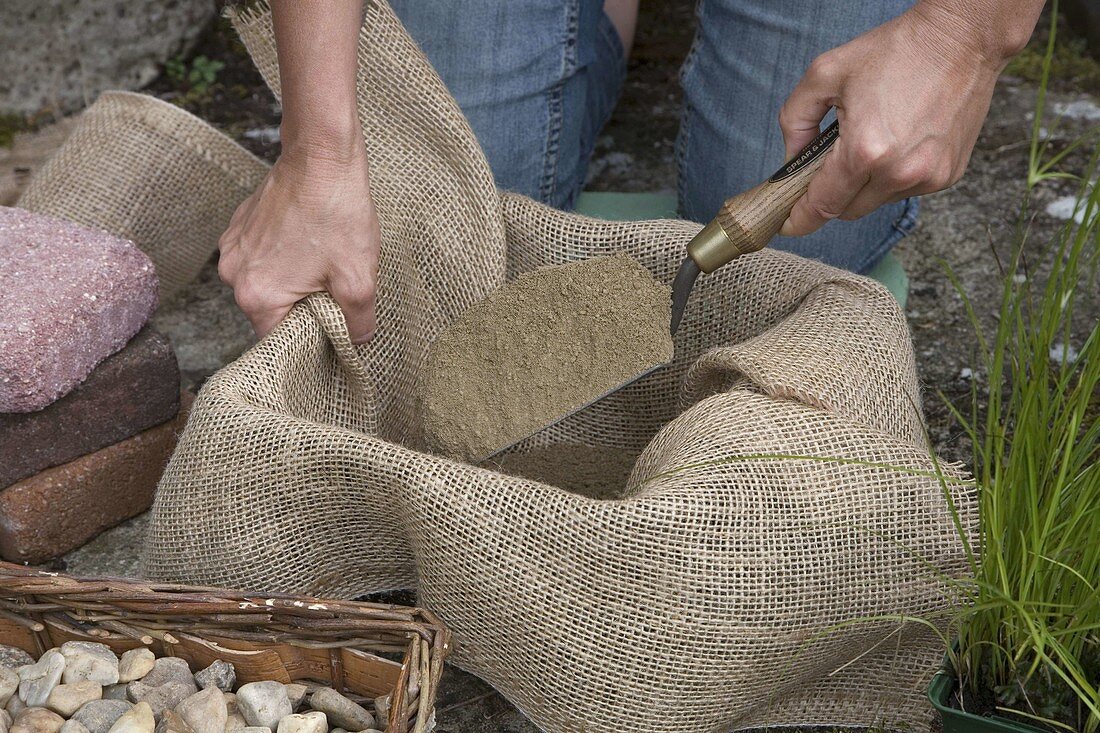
961, 228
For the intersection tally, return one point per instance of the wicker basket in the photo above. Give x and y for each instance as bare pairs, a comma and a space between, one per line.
266, 637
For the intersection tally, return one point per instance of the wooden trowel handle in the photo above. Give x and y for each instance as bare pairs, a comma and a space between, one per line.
749, 220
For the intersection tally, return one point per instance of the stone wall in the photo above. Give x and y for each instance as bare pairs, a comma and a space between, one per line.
58, 55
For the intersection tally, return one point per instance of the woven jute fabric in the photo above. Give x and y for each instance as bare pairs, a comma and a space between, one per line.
781, 523
146, 170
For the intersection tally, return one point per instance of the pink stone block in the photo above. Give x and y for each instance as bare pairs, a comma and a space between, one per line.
70, 297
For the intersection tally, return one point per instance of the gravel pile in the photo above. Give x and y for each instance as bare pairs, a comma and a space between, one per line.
83, 687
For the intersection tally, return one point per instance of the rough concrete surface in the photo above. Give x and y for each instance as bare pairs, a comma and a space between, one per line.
961, 227
58, 55
114, 552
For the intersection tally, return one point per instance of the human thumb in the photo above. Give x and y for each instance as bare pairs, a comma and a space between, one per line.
809, 102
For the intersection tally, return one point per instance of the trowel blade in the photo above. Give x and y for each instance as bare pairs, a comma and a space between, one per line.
681, 289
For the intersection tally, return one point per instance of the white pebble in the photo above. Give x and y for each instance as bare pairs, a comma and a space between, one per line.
135, 664
9, 683
137, 720
263, 703
1081, 109
36, 681
205, 711
235, 722
89, 660
1063, 352
1066, 207
37, 720
66, 699
312, 722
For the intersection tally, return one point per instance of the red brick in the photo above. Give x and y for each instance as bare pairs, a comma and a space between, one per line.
131, 391
61, 508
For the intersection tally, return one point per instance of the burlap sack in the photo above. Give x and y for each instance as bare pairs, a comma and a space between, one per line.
148, 171
712, 595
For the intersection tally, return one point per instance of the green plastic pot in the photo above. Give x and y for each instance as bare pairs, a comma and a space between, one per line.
960, 721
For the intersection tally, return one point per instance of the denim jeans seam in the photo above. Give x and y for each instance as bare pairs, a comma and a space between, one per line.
555, 103
686, 110
681, 161
899, 229
553, 135
611, 35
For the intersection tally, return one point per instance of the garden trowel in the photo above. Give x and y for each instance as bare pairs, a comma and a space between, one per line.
745, 223
748, 221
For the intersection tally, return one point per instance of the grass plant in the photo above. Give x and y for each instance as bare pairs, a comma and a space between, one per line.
1033, 620
1032, 627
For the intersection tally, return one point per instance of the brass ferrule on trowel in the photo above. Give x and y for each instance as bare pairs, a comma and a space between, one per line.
748, 221
712, 247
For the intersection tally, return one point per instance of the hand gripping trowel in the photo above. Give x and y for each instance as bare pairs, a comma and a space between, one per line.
745, 223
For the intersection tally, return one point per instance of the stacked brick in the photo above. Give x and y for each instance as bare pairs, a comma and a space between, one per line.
90, 401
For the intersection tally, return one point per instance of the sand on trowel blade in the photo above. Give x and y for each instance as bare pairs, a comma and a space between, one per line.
539, 348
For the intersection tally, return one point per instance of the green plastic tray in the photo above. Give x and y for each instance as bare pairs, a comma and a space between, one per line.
959, 721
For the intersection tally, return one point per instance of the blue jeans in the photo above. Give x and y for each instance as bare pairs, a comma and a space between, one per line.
537, 79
